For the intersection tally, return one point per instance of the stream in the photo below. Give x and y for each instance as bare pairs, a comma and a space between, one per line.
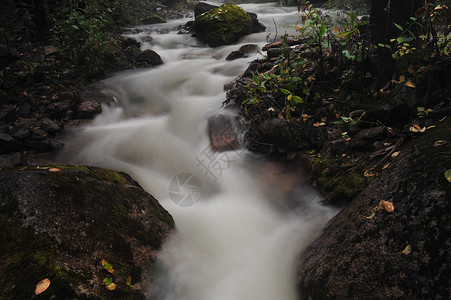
241, 220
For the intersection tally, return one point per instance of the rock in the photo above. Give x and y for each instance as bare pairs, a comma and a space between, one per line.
49, 50
92, 93
223, 131
58, 109
22, 129
24, 110
153, 19
150, 58
274, 52
49, 125
235, 55
8, 143
362, 258
88, 109
256, 25
202, 7
61, 223
248, 48
367, 136
223, 25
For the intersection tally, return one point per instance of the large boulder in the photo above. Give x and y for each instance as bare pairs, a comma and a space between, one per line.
369, 253
223, 25
79, 227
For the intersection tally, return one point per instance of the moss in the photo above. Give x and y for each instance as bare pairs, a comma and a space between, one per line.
153, 19
223, 25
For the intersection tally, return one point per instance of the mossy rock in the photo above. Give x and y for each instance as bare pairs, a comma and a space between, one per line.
153, 19
61, 223
403, 254
223, 25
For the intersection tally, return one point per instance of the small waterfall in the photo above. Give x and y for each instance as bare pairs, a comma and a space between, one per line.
235, 237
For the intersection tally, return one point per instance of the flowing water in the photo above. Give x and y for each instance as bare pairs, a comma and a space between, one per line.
241, 221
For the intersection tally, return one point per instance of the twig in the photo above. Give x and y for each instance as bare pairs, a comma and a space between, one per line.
275, 36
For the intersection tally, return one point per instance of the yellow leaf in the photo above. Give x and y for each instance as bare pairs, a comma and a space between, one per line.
448, 175
410, 84
129, 280
335, 29
42, 286
386, 166
407, 250
368, 173
111, 287
107, 266
395, 154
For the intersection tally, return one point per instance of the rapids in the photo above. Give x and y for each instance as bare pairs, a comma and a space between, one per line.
236, 237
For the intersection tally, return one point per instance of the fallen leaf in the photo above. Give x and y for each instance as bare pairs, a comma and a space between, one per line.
448, 175
410, 84
386, 166
387, 205
54, 170
402, 78
336, 90
107, 266
368, 173
439, 143
407, 250
271, 109
395, 154
411, 70
443, 119
42, 286
129, 280
317, 124
111, 287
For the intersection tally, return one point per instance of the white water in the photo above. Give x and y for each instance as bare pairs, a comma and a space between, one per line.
240, 241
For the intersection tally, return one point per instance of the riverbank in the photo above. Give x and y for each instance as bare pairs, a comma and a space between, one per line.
45, 73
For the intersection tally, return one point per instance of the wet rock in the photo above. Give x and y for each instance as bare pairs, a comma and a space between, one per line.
58, 109
256, 25
235, 55
11, 160
223, 131
367, 136
8, 143
24, 110
8, 114
150, 58
88, 109
92, 93
274, 52
202, 7
248, 48
62, 223
222, 26
22, 129
392, 255
49, 125
38, 134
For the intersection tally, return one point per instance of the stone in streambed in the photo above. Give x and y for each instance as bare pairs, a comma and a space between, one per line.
223, 25
62, 222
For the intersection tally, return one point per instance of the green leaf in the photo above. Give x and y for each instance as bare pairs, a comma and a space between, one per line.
373, 213
448, 175
286, 92
107, 281
75, 27
398, 26
322, 30
413, 19
297, 99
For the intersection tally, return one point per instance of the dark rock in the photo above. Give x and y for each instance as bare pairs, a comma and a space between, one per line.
8, 114
133, 52
4, 52
38, 134
202, 7
8, 143
22, 129
367, 136
235, 55
274, 52
130, 42
49, 125
62, 224
248, 48
88, 109
223, 131
50, 50
58, 109
256, 25
24, 110
150, 58
94, 94
361, 258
